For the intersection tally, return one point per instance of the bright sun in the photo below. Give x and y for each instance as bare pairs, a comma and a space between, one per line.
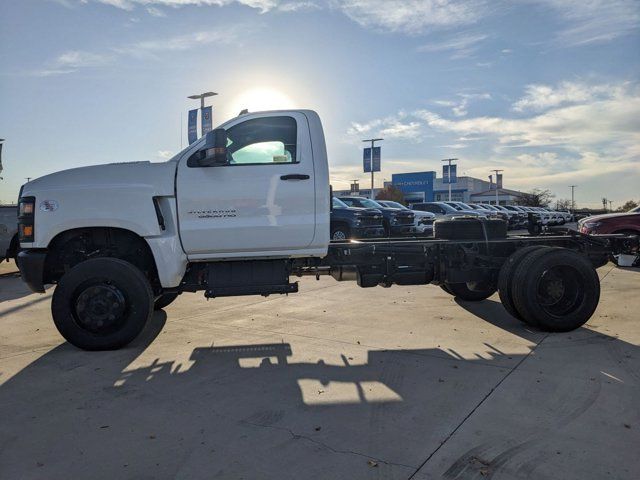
262, 98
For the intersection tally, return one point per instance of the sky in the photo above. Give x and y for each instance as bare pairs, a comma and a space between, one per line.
548, 90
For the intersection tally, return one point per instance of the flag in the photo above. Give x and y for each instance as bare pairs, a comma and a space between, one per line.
207, 121
193, 126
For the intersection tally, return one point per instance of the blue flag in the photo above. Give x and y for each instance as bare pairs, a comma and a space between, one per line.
366, 160
193, 126
376, 159
207, 121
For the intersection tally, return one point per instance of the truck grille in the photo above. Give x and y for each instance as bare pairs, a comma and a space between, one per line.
371, 220
404, 219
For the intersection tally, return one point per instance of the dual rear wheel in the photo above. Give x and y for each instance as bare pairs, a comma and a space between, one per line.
550, 288
553, 289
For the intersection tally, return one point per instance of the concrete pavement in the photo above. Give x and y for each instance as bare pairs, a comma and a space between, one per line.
334, 382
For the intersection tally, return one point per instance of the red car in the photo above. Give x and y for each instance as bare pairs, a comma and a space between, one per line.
628, 222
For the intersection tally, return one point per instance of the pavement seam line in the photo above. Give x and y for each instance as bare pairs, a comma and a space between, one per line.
473, 410
297, 436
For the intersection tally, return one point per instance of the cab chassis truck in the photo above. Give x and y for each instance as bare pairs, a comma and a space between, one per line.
244, 209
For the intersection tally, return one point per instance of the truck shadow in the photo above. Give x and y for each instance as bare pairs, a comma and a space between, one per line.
247, 411
11, 288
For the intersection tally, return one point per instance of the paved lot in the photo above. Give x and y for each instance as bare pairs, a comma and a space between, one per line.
335, 382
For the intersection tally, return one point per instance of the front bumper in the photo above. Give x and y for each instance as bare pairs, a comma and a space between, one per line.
368, 232
31, 266
401, 230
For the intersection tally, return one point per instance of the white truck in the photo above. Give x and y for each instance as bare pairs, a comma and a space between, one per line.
242, 210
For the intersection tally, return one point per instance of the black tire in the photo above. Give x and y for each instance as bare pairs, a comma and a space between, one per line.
340, 233
555, 289
164, 300
469, 228
102, 304
463, 292
505, 279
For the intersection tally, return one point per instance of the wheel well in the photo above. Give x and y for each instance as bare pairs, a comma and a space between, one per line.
340, 223
71, 247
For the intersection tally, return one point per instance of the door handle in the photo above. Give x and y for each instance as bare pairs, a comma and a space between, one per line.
295, 176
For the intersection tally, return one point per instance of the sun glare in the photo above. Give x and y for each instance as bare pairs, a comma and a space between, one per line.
262, 98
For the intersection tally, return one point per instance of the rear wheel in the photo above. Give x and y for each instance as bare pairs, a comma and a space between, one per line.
505, 279
102, 304
556, 289
469, 291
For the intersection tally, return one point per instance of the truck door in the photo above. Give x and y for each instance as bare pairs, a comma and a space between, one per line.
263, 201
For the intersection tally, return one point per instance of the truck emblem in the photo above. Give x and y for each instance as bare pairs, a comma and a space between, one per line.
48, 205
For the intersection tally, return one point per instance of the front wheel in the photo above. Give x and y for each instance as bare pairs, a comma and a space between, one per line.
340, 233
102, 304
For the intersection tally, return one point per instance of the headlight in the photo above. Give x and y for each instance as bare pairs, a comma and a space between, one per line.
26, 209
591, 224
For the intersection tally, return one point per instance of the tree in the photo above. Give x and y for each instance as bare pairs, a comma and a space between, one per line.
563, 204
391, 193
537, 198
628, 205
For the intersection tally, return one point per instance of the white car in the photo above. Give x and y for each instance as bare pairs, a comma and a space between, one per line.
423, 220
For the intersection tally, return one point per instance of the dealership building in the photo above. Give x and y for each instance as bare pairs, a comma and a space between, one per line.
425, 187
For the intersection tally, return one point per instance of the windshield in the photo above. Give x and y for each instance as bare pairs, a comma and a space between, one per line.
393, 204
369, 203
635, 210
454, 205
337, 203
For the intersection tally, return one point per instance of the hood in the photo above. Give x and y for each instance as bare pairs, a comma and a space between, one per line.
604, 216
158, 177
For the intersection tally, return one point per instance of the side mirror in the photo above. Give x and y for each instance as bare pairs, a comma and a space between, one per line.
214, 153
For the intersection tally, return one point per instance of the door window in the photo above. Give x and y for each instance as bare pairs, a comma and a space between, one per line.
267, 140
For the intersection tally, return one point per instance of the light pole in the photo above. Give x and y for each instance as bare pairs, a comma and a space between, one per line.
573, 203
202, 96
373, 141
497, 189
449, 176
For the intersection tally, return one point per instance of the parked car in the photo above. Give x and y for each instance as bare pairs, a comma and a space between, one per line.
463, 207
523, 216
626, 222
423, 220
442, 209
8, 231
568, 216
497, 212
396, 222
348, 222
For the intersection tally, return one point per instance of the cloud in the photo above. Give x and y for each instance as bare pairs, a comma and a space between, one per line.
72, 61
411, 16
598, 131
222, 36
155, 12
594, 21
542, 97
461, 46
389, 128
263, 6
459, 106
